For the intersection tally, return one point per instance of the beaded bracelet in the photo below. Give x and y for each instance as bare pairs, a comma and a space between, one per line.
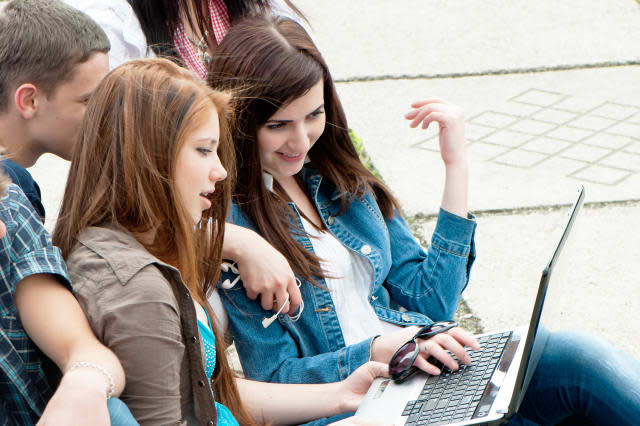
111, 383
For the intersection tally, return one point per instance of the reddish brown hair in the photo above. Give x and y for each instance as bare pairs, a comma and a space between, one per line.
270, 61
123, 172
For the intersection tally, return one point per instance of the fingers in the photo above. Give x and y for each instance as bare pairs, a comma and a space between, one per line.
427, 367
251, 293
433, 112
275, 294
425, 108
442, 346
266, 300
439, 348
295, 296
376, 369
420, 104
281, 301
464, 337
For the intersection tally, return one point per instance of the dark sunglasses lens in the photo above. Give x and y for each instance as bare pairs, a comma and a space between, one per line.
406, 376
403, 359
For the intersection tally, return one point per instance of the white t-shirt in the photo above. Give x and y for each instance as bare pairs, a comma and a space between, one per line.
350, 287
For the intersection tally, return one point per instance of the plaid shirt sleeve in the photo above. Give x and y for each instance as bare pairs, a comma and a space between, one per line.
25, 250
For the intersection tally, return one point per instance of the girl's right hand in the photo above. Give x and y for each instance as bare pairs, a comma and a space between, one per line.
264, 271
384, 347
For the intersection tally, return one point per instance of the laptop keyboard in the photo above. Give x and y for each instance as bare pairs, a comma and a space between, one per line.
453, 396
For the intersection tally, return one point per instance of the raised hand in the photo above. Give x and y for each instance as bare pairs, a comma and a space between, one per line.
450, 119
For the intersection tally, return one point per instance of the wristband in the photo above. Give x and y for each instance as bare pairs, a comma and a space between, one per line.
111, 384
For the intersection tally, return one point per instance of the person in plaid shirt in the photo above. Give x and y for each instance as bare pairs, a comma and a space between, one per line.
51, 58
37, 307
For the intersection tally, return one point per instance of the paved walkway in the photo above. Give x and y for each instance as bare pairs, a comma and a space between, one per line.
552, 96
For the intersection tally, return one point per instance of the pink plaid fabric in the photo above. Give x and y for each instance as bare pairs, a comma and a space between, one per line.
221, 25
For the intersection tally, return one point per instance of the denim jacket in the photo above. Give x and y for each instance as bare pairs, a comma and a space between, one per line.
412, 286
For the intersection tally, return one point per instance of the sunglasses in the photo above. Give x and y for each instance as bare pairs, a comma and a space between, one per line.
401, 364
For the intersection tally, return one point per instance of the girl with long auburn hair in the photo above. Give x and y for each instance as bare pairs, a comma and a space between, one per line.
366, 282
141, 228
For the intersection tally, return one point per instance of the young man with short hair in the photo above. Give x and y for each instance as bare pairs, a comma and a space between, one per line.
52, 57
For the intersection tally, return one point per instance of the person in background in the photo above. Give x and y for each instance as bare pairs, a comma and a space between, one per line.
186, 30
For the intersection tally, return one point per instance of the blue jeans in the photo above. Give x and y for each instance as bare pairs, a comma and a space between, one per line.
582, 379
119, 413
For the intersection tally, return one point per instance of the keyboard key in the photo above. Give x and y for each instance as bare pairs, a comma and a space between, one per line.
412, 418
442, 403
430, 405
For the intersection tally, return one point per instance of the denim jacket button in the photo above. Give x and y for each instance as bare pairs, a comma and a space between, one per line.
365, 249
330, 220
406, 317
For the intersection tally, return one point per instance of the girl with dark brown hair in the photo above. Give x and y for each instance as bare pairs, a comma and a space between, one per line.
141, 228
366, 282
301, 185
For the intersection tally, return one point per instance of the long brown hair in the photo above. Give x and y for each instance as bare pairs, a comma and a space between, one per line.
123, 173
270, 61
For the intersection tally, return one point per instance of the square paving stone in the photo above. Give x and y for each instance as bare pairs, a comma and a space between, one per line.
508, 138
553, 115
634, 147
601, 174
579, 105
623, 160
532, 127
493, 119
485, 151
570, 134
585, 153
473, 132
521, 110
626, 129
615, 111
519, 158
635, 118
592, 122
607, 140
562, 166
545, 145
538, 97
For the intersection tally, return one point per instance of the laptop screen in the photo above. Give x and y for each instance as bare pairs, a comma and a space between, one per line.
537, 326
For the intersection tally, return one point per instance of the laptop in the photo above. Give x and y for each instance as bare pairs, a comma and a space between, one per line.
487, 391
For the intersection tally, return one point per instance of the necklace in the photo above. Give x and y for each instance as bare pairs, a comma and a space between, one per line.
202, 48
